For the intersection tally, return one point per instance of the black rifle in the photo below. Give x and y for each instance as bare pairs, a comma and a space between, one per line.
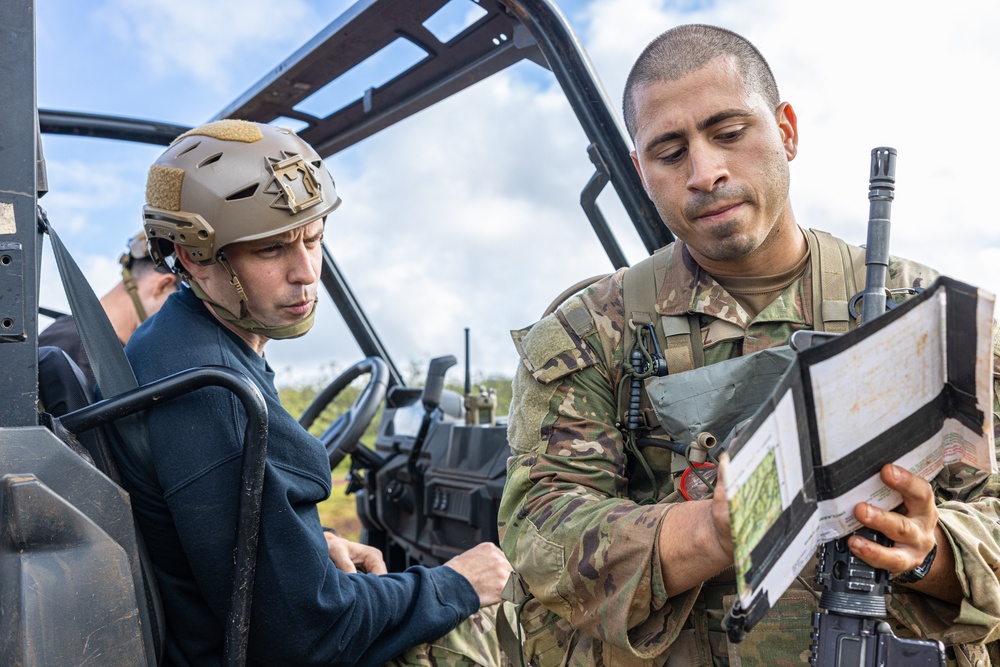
850, 632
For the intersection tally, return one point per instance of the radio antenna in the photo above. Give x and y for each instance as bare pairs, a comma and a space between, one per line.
468, 364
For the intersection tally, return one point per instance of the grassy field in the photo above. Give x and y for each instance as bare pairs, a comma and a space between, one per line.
338, 511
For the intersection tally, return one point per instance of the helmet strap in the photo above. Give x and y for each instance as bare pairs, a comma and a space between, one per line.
245, 320
129, 280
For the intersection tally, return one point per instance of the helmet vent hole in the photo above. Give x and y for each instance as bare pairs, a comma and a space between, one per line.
245, 193
189, 148
317, 163
210, 160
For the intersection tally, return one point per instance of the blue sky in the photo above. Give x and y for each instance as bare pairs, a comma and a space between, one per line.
466, 215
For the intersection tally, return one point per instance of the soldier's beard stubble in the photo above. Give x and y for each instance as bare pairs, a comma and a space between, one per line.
720, 241
749, 230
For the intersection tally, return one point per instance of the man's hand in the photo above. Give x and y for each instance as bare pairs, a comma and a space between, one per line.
349, 556
486, 568
695, 541
913, 529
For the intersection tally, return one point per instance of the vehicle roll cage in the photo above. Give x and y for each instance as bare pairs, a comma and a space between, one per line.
510, 31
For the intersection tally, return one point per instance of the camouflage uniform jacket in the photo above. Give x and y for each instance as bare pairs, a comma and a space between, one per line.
577, 523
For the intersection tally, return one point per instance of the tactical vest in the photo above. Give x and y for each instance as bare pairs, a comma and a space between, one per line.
838, 273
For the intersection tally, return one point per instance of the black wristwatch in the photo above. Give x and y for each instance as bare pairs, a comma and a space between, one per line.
919, 572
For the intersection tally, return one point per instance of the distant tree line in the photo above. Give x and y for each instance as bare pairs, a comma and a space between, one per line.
297, 397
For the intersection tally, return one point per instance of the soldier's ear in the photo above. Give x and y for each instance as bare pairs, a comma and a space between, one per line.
165, 285
788, 126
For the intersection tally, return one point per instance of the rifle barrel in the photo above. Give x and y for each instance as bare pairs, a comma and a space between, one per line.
881, 190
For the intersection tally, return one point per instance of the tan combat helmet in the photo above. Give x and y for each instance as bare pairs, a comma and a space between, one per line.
231, 181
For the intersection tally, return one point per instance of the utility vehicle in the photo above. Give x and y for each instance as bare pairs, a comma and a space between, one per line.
74, 584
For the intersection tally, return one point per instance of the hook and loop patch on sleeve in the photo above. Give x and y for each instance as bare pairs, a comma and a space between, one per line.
554, 346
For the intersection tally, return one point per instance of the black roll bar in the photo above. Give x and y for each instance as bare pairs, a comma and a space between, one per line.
251, 473
510, 31
572, 69
99, 126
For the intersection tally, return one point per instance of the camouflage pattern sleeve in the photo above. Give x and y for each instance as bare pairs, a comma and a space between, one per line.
969, 507
586, 551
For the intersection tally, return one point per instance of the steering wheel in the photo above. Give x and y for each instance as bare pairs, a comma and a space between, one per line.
343, 435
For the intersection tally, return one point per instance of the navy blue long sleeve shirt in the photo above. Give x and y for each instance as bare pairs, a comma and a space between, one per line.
305, 611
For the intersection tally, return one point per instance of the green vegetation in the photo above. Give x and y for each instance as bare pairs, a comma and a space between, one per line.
338, 511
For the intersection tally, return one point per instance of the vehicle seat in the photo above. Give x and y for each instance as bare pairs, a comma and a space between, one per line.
62, 389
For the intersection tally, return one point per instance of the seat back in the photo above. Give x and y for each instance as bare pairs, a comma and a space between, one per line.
63, 388
72, 526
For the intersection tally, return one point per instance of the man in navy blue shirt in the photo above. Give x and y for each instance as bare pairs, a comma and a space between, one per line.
238, 210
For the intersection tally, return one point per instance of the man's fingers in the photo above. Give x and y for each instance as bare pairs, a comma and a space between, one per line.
912, 537
893, 559
897, 527
916, 491
719, 492
912, 533
486, 568
370, 559
340, 556
720, 510
348, 556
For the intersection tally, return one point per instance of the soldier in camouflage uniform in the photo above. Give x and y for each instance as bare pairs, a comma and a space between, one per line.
620, 569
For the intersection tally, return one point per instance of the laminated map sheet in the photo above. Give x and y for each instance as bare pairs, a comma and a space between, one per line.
912, 387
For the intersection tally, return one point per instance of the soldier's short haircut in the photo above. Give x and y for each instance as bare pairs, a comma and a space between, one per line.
686, 48
144, 266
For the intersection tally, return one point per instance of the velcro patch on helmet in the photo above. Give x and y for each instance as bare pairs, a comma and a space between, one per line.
226, 130
163, 187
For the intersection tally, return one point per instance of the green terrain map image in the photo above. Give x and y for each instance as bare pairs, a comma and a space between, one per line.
754, 510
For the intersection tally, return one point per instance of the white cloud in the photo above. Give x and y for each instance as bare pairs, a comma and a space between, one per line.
207, 40
467, 215
86, 191
868, 74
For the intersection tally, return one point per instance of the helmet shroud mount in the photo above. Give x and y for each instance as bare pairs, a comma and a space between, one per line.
230, 181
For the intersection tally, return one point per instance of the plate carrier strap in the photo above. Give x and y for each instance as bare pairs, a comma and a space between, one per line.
837, 275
